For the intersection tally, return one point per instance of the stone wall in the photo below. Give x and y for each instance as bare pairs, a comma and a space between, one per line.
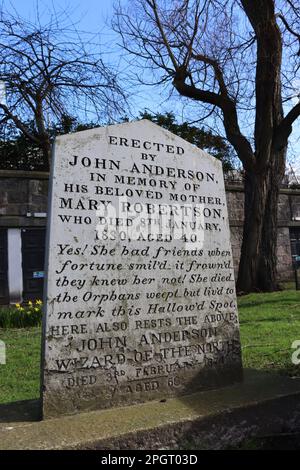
23, 198
23, 203
288, 213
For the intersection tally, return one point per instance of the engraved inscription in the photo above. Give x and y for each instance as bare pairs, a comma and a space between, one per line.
140, 300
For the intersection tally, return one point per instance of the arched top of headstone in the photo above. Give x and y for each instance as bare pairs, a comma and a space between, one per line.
137, 133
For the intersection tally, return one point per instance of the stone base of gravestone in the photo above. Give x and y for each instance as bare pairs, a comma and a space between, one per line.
264, 404
60, 403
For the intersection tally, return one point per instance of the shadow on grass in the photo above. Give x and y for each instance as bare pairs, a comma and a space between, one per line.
20, 411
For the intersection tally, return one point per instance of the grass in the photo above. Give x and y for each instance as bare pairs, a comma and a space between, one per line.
19, 377
269, 325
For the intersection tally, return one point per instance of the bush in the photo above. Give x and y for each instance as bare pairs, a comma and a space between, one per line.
22, 316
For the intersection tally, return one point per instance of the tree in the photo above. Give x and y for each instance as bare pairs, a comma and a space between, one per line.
49, 71
18, 152
205, 140
238, 61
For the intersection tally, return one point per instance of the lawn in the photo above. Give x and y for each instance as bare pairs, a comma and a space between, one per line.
269, 325
19, 377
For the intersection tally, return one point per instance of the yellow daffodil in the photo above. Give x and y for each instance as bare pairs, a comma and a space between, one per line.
38, 302
30, 303
18, 305
36, 309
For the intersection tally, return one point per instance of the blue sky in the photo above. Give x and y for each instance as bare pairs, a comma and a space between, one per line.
94, 16
93, 12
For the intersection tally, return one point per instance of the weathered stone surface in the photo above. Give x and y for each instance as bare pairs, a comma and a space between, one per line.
140, 295
235, 204
263, 404
22, 192
14, 214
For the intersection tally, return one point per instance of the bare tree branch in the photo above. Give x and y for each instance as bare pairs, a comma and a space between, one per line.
234, 61
18, 123
52, 70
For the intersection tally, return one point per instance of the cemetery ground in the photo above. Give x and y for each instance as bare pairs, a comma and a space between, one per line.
269, 324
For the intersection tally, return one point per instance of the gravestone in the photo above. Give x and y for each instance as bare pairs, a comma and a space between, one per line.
140, 298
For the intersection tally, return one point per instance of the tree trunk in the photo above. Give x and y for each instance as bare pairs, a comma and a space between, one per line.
257, 269
46, 150
255, 202
43, 133
267, 270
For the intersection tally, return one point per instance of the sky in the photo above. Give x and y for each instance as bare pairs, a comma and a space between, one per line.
95, 16
92, 12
